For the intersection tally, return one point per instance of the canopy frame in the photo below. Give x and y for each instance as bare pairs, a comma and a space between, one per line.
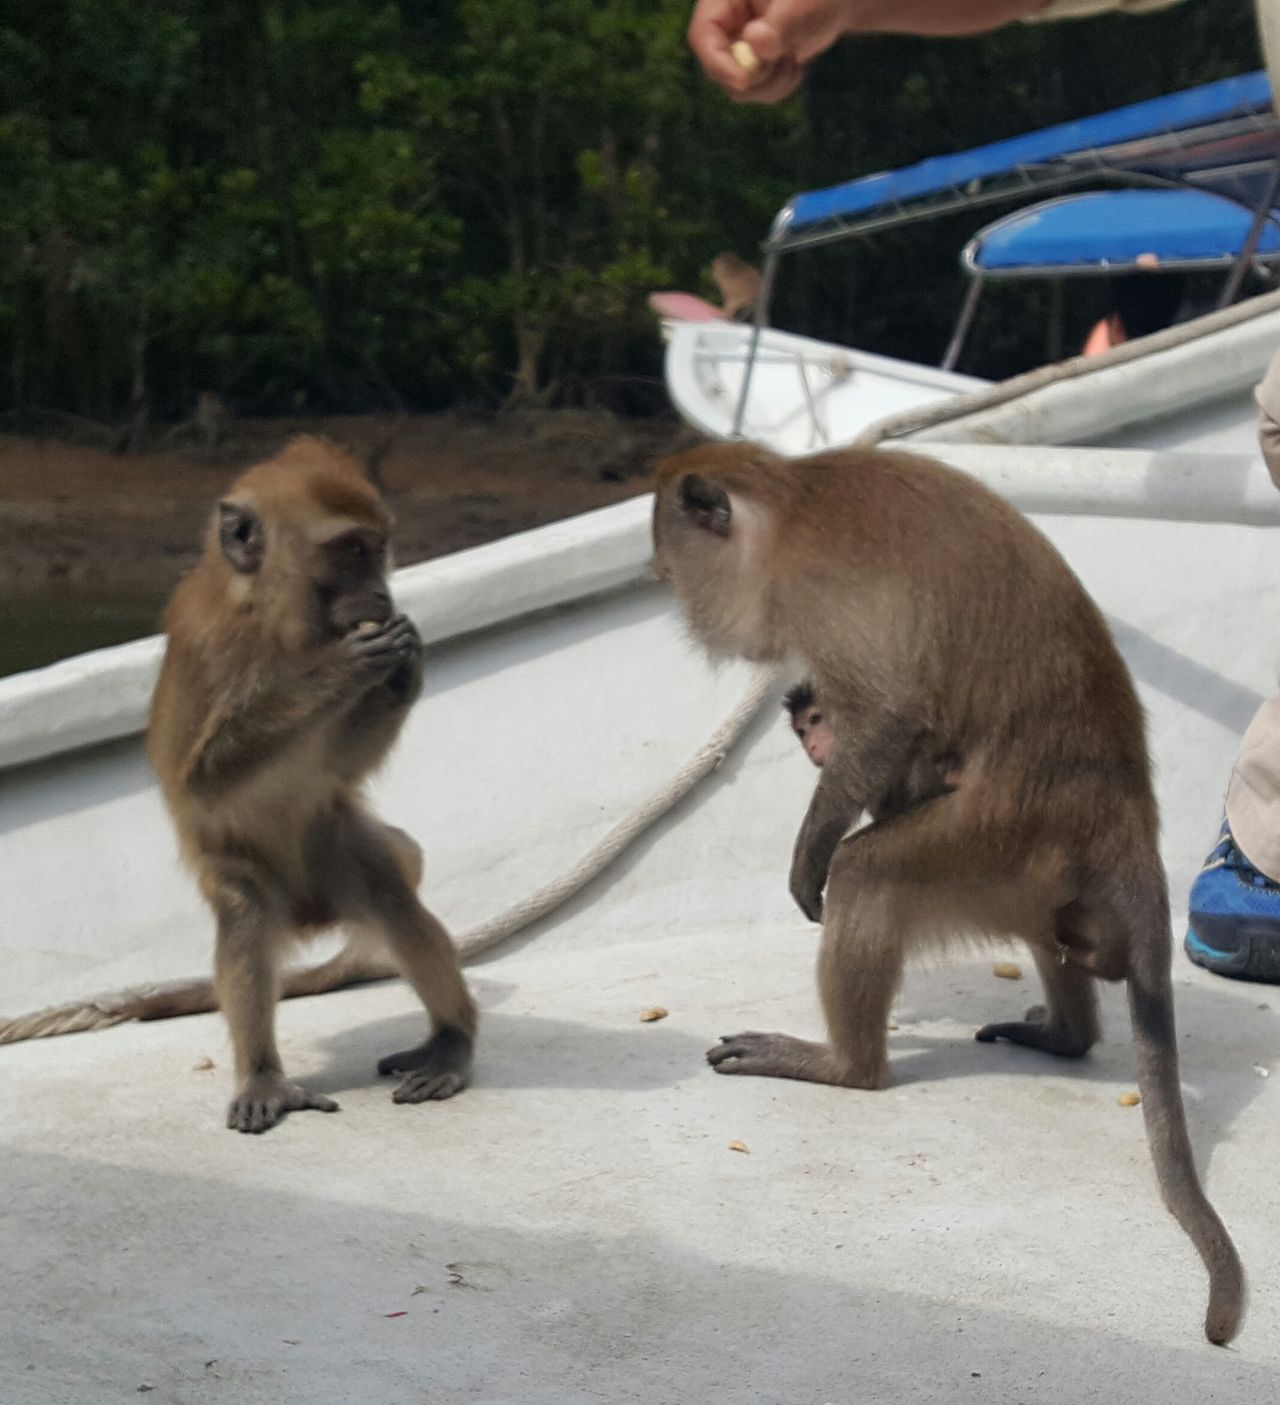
1235, 263
1232, 111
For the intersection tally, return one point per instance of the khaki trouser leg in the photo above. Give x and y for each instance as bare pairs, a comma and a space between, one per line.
1253, 796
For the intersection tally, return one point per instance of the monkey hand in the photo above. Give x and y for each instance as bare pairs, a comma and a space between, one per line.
806, 889
384, 652
264, 1098
405, 680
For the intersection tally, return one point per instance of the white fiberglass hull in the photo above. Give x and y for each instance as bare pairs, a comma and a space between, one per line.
806, 395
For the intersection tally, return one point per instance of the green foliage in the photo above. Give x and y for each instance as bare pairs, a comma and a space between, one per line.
346, 204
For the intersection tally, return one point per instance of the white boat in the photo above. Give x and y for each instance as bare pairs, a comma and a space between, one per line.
577, 1227
1204, 164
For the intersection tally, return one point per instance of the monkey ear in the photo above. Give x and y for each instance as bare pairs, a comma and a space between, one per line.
706, 503
240, 535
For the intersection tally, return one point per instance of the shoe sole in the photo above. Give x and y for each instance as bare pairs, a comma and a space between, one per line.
1239, 950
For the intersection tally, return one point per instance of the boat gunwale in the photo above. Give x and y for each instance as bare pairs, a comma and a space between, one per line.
103, 695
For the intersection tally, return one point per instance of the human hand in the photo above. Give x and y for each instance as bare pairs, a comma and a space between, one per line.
717, 25
784, 36
787, 35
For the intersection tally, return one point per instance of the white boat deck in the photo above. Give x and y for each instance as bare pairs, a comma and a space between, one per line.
575, 1227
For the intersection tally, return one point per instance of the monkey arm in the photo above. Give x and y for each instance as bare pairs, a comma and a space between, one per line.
831, 814
861, 770
375, 718
367, 731
253, 727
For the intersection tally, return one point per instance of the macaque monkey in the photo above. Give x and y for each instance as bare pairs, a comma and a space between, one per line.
808, 722
739, 285
287, 676
939, 626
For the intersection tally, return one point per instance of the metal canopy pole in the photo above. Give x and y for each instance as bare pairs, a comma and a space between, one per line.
773, 248
963, 323
1260, 217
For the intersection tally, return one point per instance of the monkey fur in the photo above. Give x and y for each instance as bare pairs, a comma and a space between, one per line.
286, 678
738, 283
937, 622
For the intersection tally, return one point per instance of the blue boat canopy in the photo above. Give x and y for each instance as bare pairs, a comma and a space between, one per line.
1221, 137
1116, 229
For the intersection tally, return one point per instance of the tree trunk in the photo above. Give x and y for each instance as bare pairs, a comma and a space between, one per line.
531, 342
130, 440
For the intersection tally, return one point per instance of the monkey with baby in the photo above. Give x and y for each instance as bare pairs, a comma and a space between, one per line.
974, 706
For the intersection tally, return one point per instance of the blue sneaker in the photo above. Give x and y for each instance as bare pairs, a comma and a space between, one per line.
1234, 919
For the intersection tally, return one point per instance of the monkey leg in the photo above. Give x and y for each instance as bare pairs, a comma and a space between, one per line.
868, 924
913, 879
408, 854
245, 978
1068, 1025
385, 904
355, 964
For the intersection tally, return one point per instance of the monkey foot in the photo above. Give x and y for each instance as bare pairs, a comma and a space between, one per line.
265, 1099
784, 1056
437, 1069
748, 1052
429, 1087
1037, 1033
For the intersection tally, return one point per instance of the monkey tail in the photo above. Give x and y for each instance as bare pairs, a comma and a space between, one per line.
1155, 1040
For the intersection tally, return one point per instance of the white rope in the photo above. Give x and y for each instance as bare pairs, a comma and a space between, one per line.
194, 996
701, 764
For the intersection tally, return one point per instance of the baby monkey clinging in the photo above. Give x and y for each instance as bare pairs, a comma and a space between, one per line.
947, 639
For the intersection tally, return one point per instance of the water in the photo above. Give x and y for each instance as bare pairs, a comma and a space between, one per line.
39, 628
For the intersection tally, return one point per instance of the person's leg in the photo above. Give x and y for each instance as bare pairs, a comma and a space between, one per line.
1233, 926
1267, 398
1234, 920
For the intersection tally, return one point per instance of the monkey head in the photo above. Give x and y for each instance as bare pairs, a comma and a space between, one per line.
713, 535
308, 524
809, 722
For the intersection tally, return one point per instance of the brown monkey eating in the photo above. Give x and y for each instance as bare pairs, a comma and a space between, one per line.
286, 678
946, 638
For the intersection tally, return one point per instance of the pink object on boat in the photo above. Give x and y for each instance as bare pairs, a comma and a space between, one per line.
685, 307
